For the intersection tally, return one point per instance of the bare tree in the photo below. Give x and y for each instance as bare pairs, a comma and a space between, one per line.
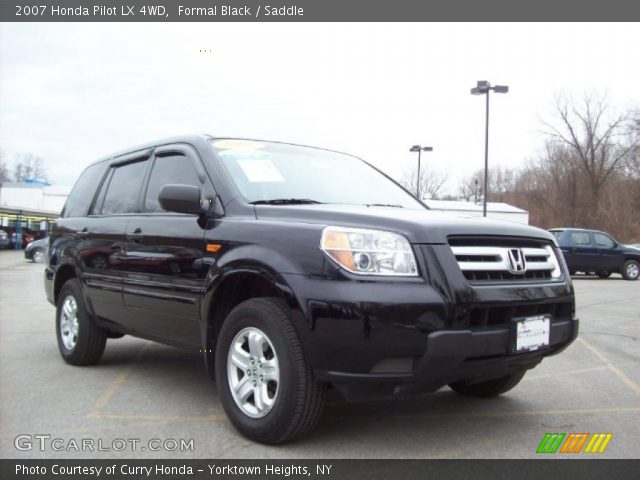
633, 164
432, 182
4, 170
596, 140
502, 183
29, 166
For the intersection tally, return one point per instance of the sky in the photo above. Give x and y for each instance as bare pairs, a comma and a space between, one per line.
71, 93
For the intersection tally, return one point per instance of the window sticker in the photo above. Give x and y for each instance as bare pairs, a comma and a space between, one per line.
260, 170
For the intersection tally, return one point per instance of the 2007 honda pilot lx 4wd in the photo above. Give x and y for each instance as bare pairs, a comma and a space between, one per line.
294, 269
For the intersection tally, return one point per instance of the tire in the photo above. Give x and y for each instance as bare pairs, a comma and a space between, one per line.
604, 274
631, 270
84, 342
38, 255
291, 403
489, 388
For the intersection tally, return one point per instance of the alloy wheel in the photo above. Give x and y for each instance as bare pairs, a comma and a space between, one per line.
69, 326
253, 372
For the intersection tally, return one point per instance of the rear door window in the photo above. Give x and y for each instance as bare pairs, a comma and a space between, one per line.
580, 239
175, 169
123, 190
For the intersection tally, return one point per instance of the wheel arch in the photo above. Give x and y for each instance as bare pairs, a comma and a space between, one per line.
232, 286
64, 273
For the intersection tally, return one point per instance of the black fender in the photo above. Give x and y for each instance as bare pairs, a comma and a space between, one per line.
248, 264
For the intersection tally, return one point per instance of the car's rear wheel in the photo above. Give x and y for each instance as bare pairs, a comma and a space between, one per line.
265, 384
80, 340
488, 388
38, 255
631, 270
604, 274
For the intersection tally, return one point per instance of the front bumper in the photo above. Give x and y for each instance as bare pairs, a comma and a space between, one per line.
453, 355
420, 334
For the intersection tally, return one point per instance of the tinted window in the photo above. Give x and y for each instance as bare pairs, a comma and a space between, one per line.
580, 238
97, 205
557, 234
81, 195
603, 240
169, 169
124, 188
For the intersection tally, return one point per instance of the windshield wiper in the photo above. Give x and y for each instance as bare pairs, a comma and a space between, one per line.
285, 201
384, 205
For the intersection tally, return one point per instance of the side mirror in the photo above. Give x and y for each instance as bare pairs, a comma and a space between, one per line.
181, 199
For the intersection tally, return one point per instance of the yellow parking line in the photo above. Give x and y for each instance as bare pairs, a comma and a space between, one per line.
564, 372
530, 376
106, 396
619, 373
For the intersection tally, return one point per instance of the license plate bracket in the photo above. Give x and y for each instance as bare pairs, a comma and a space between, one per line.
531, 333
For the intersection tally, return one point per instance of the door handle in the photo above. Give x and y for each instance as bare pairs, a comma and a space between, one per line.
82, 233
135, 236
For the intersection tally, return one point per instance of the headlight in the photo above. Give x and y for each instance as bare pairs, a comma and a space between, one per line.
369, 252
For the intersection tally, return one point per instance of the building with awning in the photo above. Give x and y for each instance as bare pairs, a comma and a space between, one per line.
30, 208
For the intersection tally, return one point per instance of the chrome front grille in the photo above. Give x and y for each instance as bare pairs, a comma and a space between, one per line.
507, 262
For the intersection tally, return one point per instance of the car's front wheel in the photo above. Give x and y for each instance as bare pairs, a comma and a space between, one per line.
80, 340
265, 384
488, 388
38, 255
631, 270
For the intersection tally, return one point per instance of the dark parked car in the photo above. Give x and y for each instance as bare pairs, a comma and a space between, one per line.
36, 251
592, 251
4, 239
294, 269
27, 238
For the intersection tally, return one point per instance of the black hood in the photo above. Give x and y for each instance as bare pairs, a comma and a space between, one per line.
419, 226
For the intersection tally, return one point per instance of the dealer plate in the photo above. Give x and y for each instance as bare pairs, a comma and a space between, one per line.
532, 333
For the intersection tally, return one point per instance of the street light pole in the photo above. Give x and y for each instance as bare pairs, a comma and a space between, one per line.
486, 157
419, 149
418, 180
483, 88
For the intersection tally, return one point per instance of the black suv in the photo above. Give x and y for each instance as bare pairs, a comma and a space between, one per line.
593, 251
294, 269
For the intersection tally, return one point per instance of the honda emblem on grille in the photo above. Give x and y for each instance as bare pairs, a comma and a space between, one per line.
517, 263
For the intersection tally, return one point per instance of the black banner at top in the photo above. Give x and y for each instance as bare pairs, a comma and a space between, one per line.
316, 10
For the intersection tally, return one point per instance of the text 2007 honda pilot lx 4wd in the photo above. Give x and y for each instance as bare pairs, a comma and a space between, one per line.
296, 268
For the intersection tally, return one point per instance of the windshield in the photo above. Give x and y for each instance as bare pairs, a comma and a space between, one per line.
266, 172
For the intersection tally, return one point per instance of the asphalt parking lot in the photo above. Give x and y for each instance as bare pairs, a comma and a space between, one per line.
143, 390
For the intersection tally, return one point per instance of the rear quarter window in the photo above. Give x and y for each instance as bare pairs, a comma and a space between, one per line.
81, 196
